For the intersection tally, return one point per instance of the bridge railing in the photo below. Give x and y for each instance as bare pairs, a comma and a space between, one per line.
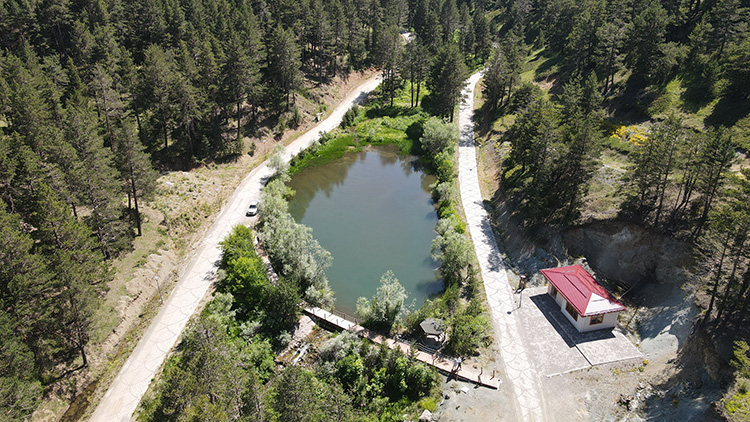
346, 316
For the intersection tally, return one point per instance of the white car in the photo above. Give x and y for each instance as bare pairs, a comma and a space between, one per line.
252, 209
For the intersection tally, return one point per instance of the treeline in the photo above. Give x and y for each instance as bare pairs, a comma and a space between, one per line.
94, 95
634, 45
615, 58
459, 306
611, 57
224, 367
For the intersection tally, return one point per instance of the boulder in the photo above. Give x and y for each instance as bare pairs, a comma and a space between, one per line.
426, 416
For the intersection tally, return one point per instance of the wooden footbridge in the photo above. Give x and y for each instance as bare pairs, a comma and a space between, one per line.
440, 362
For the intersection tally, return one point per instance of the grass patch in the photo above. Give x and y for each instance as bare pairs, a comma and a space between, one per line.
428, 403
374, 125
531, 70
107, 317
332, 149
738, 406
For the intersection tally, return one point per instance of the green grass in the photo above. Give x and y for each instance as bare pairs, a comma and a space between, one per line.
374, 125
533, 63
329, 151
428, 403
738, 406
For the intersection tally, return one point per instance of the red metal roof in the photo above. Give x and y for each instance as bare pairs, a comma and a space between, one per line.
582, 291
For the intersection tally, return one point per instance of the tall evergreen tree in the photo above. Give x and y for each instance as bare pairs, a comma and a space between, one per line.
446, 80
388, 60
414, 67
93, 178
284, 64
155, 92
135, 170
241, 72
645, 38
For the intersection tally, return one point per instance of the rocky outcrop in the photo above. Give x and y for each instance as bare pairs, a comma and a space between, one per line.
627, 254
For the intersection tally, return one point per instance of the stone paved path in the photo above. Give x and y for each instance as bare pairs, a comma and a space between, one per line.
519, 370
123, 396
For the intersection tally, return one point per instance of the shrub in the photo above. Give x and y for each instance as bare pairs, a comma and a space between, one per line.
386, 307
467, 334
350, 116
349, 370
439, 136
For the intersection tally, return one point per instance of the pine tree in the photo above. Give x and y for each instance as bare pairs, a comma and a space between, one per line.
482, 37
241, 72
284, 64
414, 67
77, 270
108, 103
714, 160
645, 37
93, 179
23, 317
155, 89
446, 80
388, 60
135, 170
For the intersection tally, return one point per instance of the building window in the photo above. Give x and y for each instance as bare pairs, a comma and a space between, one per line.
572, 311
596, 319
553, 291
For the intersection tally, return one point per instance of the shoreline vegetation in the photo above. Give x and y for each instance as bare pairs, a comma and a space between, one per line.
259, 314
433, 142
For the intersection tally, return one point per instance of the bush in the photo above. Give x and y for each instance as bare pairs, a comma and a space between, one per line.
467, 334
350, 116
439, 136
349, 370
387, 306
443, 163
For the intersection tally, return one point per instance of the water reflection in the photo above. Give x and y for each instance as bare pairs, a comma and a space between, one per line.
375, 214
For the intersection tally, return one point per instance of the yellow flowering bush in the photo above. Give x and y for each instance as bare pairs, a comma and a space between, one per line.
633, 135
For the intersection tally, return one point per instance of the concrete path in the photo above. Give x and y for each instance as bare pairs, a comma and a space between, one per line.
125, 393
436, 360
519, 370
556, 347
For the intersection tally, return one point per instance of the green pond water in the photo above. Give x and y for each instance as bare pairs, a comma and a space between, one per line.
373, 211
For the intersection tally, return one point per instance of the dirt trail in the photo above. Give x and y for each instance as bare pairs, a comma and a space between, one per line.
124, 395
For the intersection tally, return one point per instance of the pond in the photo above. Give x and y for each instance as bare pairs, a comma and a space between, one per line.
373, 211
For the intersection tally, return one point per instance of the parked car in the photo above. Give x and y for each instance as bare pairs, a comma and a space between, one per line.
252, 209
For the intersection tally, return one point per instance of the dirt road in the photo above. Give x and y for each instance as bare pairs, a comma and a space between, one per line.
125, 393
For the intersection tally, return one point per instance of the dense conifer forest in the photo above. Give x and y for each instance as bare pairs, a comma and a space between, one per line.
98, 96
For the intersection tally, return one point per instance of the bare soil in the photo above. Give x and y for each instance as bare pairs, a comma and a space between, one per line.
174, 222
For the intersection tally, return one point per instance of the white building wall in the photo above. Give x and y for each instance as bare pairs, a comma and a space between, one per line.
609, 322
582, 324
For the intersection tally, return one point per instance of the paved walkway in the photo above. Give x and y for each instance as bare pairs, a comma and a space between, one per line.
123, 396
438, 361
519, 370
556, 347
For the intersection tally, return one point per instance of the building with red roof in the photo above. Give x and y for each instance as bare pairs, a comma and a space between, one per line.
586, 304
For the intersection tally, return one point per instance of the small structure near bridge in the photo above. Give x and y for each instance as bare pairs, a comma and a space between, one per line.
586, 304
433, 333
